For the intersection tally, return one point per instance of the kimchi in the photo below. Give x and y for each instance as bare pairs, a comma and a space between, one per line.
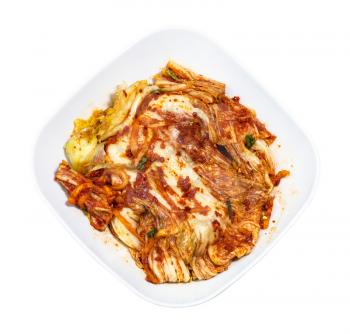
178, 171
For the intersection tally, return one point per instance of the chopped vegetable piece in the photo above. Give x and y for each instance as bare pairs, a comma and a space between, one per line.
172, 75
229, 208
280, 175
264, 222
249, 141
142, 163
152, 232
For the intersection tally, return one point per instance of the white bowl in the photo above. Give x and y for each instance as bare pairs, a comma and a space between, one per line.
141, 61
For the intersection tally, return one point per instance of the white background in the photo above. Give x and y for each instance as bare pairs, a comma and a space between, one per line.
298, 50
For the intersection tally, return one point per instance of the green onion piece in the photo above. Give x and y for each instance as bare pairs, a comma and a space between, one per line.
158, 91
229, 208
249, 141
152, 232
171, 74
142, 163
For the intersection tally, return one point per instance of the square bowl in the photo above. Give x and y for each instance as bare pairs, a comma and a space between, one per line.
292, 151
